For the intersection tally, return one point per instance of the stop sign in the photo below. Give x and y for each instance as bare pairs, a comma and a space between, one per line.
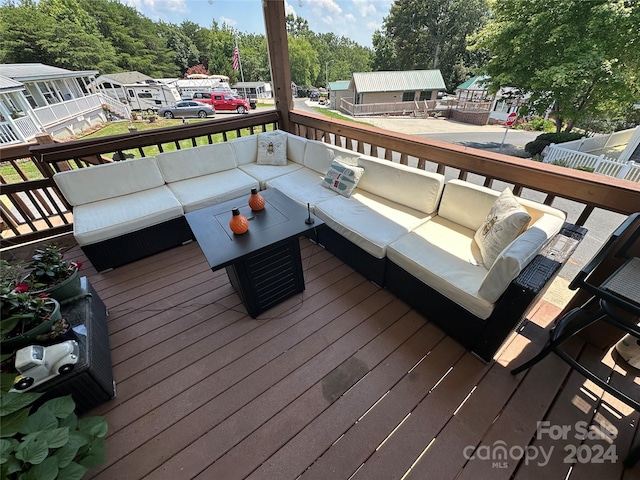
511, 119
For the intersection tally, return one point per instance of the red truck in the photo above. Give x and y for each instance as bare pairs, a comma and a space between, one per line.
223, 101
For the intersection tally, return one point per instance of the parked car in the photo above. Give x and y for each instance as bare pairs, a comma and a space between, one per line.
187, 109
223, 101
37, 364
314, 95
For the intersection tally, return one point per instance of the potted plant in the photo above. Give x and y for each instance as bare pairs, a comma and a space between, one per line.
50, 442
49, 273
24, 315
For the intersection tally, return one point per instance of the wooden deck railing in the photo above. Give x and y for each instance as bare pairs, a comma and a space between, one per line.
34, 209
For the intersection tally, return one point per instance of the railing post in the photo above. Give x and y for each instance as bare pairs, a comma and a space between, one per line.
599, 160
626, 168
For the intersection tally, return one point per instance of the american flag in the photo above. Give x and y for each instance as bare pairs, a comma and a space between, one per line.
236, 58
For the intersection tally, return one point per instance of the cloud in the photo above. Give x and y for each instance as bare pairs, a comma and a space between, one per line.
229, 21
158, 7
365, 7
289, 9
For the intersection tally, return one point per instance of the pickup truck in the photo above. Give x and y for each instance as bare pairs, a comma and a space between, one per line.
223, 101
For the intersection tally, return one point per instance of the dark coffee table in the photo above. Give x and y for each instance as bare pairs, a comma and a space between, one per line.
264, 264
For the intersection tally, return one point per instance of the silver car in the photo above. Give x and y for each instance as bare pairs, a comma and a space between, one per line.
187, 109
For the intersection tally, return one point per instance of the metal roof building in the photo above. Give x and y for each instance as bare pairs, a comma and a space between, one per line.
410, 80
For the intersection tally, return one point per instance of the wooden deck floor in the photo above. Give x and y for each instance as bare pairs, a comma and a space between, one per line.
342, 382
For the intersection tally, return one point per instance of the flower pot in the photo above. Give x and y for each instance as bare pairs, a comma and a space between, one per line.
66, 289
30, 336
256, 201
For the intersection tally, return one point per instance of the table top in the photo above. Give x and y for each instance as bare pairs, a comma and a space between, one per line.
281, 219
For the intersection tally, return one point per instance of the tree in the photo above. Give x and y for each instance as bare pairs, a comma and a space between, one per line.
579, 59
430, 34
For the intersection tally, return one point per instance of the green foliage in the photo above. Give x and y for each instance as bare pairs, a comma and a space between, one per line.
537, 124
431, 34
585, 168
578, 58
49, 443
48, 267
535, 147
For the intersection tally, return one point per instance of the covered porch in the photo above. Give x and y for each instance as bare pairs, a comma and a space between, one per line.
344, 380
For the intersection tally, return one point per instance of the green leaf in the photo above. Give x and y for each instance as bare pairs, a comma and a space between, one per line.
77, 439
6, 381
11, 424
73, 471
7, 448
94, 426
13, 401
56, 438
94, 456
47, 470
71, 421
66, 454
34, 450
13, 465
43, 419
61, 407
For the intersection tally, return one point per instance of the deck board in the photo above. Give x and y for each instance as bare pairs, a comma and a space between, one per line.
341, 381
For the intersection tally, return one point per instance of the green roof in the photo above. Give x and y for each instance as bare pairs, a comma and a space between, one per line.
474, 83
339, 85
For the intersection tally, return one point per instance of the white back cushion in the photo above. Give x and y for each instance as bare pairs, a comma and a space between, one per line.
295, 148
317, 156
405, 185
468, 204
99, 182
195, 162
246, 149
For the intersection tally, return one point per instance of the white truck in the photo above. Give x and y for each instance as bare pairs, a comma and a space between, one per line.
151, 97
37, 364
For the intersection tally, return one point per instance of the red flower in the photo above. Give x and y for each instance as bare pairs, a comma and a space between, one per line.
21, 288
76, 265
43, 295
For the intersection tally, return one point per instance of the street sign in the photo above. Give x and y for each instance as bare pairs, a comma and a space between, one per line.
511, 119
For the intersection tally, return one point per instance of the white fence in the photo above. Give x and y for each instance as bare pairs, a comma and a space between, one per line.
600, 164
600, 142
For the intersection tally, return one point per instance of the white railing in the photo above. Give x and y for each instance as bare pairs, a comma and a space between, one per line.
28, 127
602, 165
59, 112
116, 106
8, 135
412, 107
600, 142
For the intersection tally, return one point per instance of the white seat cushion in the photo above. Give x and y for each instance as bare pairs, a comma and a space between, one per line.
105, 219
200, 192
440, 254
264, 173
303, 186
369, 221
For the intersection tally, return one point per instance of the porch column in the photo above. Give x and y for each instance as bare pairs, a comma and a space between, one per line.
278, 49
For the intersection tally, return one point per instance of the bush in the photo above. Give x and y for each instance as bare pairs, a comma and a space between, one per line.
535, 148
584, 168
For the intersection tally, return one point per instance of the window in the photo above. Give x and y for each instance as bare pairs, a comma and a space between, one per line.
425, 95
144, 95
408, 96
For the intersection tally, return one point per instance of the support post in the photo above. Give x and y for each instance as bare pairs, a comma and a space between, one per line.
278, 49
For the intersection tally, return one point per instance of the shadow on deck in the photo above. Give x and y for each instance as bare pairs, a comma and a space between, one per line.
344, 381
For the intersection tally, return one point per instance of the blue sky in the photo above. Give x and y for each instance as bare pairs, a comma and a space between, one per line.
354, 19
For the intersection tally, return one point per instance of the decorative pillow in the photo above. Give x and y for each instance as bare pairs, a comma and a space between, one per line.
272, 148
505, 221
342, 177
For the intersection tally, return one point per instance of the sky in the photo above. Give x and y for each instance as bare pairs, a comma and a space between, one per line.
354, 19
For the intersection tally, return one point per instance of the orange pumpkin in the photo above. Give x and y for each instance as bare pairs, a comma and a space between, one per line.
238, 223
256, 201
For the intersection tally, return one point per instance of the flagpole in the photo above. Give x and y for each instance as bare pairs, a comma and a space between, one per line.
239, 61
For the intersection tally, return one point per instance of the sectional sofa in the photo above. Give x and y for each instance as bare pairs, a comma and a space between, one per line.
403, 228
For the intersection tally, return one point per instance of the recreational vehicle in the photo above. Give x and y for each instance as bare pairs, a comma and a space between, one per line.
150, 96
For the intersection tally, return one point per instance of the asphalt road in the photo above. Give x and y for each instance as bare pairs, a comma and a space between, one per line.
489, 137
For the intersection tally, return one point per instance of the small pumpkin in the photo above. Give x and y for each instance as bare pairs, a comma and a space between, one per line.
238, 223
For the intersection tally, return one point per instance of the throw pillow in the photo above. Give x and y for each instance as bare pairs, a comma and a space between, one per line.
342, 177
272, 148
505, 221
